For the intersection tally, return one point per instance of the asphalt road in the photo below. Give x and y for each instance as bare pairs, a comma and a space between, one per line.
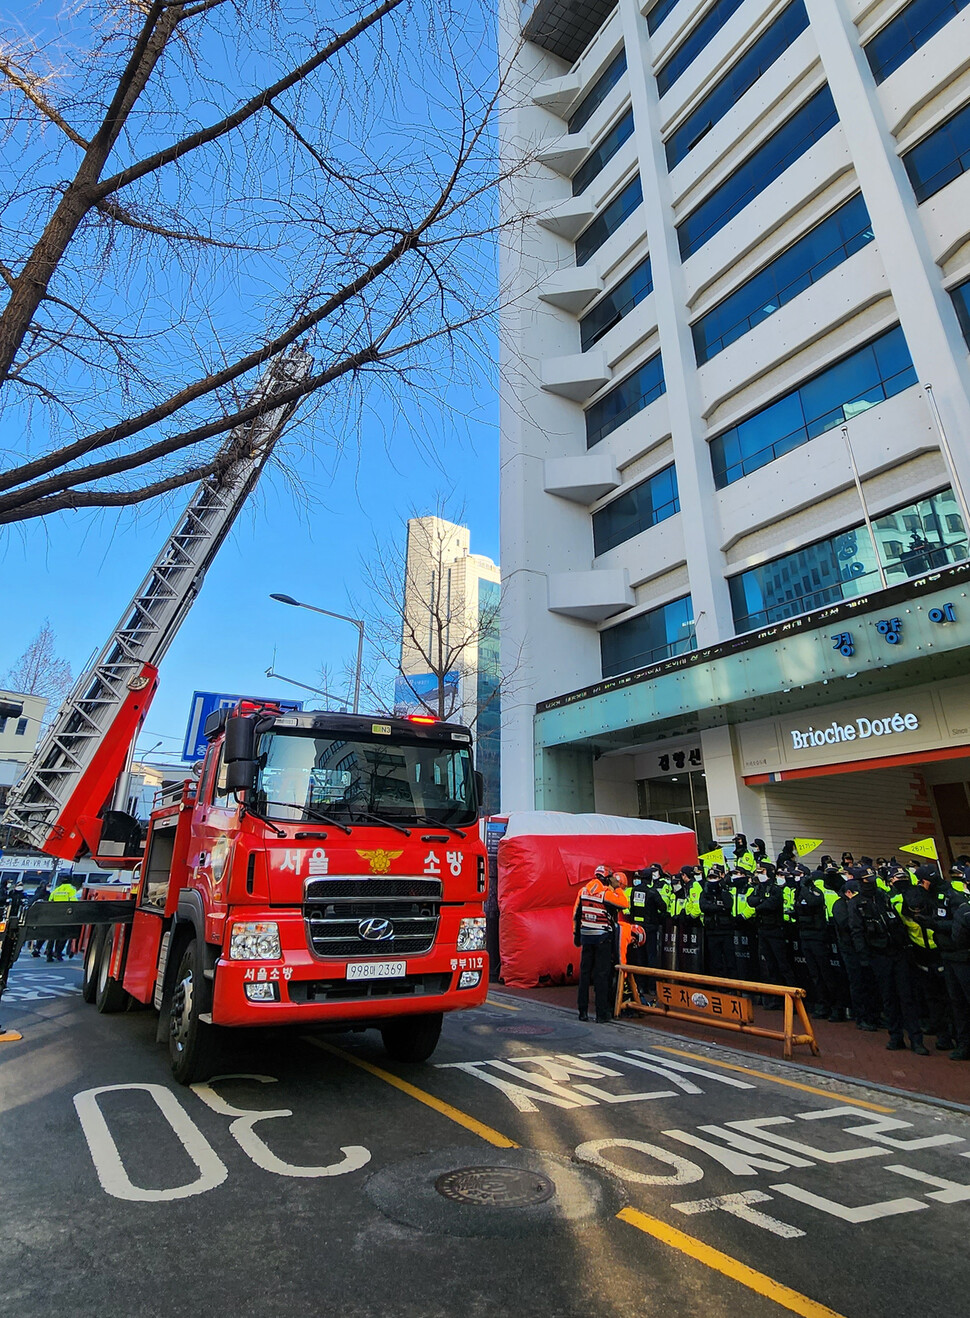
535, 1166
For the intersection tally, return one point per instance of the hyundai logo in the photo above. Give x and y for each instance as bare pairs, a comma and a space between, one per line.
375, 931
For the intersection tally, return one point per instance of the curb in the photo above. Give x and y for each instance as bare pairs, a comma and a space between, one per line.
909, 1095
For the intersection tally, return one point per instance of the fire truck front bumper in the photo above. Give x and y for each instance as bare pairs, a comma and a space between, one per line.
297, 987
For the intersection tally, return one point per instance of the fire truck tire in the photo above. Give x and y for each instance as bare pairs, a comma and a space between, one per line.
109, 995
191, 1042
412, 1038
89, 971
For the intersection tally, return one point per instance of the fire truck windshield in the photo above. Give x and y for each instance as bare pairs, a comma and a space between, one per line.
302, 775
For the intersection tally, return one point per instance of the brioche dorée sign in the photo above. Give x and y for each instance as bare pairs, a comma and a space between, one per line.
858, 729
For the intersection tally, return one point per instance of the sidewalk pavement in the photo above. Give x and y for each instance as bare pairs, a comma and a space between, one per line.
843, 1050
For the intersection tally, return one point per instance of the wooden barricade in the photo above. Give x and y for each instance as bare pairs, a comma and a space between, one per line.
723, 1007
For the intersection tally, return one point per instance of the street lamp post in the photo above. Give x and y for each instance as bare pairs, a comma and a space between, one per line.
298, 604
291, 681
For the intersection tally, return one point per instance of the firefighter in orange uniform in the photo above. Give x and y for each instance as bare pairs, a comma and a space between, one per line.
594, 923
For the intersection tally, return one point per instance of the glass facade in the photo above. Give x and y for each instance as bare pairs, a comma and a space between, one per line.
679, 799
961, 300
624, 400
648, 638
699, 36
597, 94
617, 303
604, 153
866, 377
635, 510
488, 744
823, 248
609, 220
941, 157
786, 145
738, 79
918, 538
903, 35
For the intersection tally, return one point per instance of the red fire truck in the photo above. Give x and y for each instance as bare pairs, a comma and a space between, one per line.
322, 869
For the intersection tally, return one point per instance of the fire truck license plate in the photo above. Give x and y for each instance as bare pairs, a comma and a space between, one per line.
376, 969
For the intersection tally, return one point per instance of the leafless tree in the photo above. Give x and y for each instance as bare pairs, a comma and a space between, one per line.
39, 671
191, 186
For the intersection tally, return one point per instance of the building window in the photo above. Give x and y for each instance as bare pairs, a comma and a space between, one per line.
961, 301
789, 142
823, 248
866, 377
700, 36
903, 35
659, 12
635, 510
3, 726
609, 220
738, 79
604, 153
616, 304
648, 638
21, 727
941, 157
679, 799
844, 566
624, 400
597, 94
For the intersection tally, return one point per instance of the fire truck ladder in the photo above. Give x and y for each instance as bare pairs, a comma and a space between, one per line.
37, 806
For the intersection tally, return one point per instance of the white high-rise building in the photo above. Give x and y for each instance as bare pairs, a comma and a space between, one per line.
450, 636
736, 415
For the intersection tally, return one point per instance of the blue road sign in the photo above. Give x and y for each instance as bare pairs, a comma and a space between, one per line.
203, 704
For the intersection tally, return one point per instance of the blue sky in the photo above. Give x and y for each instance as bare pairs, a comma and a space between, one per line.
303, 531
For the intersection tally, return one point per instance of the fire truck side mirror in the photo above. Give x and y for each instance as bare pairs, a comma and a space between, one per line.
240, 739
479, 790
241, 775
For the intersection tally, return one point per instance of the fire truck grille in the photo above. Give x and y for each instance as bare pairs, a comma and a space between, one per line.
367, 917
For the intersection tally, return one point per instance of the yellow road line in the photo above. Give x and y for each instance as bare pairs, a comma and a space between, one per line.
794, 1301
454, 1114
730, 1267
504, 1005
775, 1079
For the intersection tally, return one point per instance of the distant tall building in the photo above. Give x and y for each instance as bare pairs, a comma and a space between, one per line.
736, 415
450, 638
18, 737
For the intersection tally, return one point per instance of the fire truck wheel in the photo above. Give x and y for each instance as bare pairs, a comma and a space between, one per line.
109, 995
412, 1038
191, 1045
89, 972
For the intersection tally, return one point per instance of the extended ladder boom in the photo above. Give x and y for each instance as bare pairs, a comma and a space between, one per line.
67, 782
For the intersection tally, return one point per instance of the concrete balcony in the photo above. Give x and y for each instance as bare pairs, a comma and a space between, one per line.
569, 218
581, 480
558, 94
565, 154
577, 377
572, 288
590, 596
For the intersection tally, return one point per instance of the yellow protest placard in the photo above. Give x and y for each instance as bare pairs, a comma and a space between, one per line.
709, 858
803, 845
926, 848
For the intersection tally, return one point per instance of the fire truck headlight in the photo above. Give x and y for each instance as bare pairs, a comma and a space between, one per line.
256, 940
471, 935
470, 979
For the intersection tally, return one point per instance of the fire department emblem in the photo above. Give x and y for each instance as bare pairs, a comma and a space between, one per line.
380, 861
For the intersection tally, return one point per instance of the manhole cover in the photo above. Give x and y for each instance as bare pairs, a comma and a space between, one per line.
499, 1187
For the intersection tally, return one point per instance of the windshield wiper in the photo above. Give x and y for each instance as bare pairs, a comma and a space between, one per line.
307, 810
388, 823
439, 823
